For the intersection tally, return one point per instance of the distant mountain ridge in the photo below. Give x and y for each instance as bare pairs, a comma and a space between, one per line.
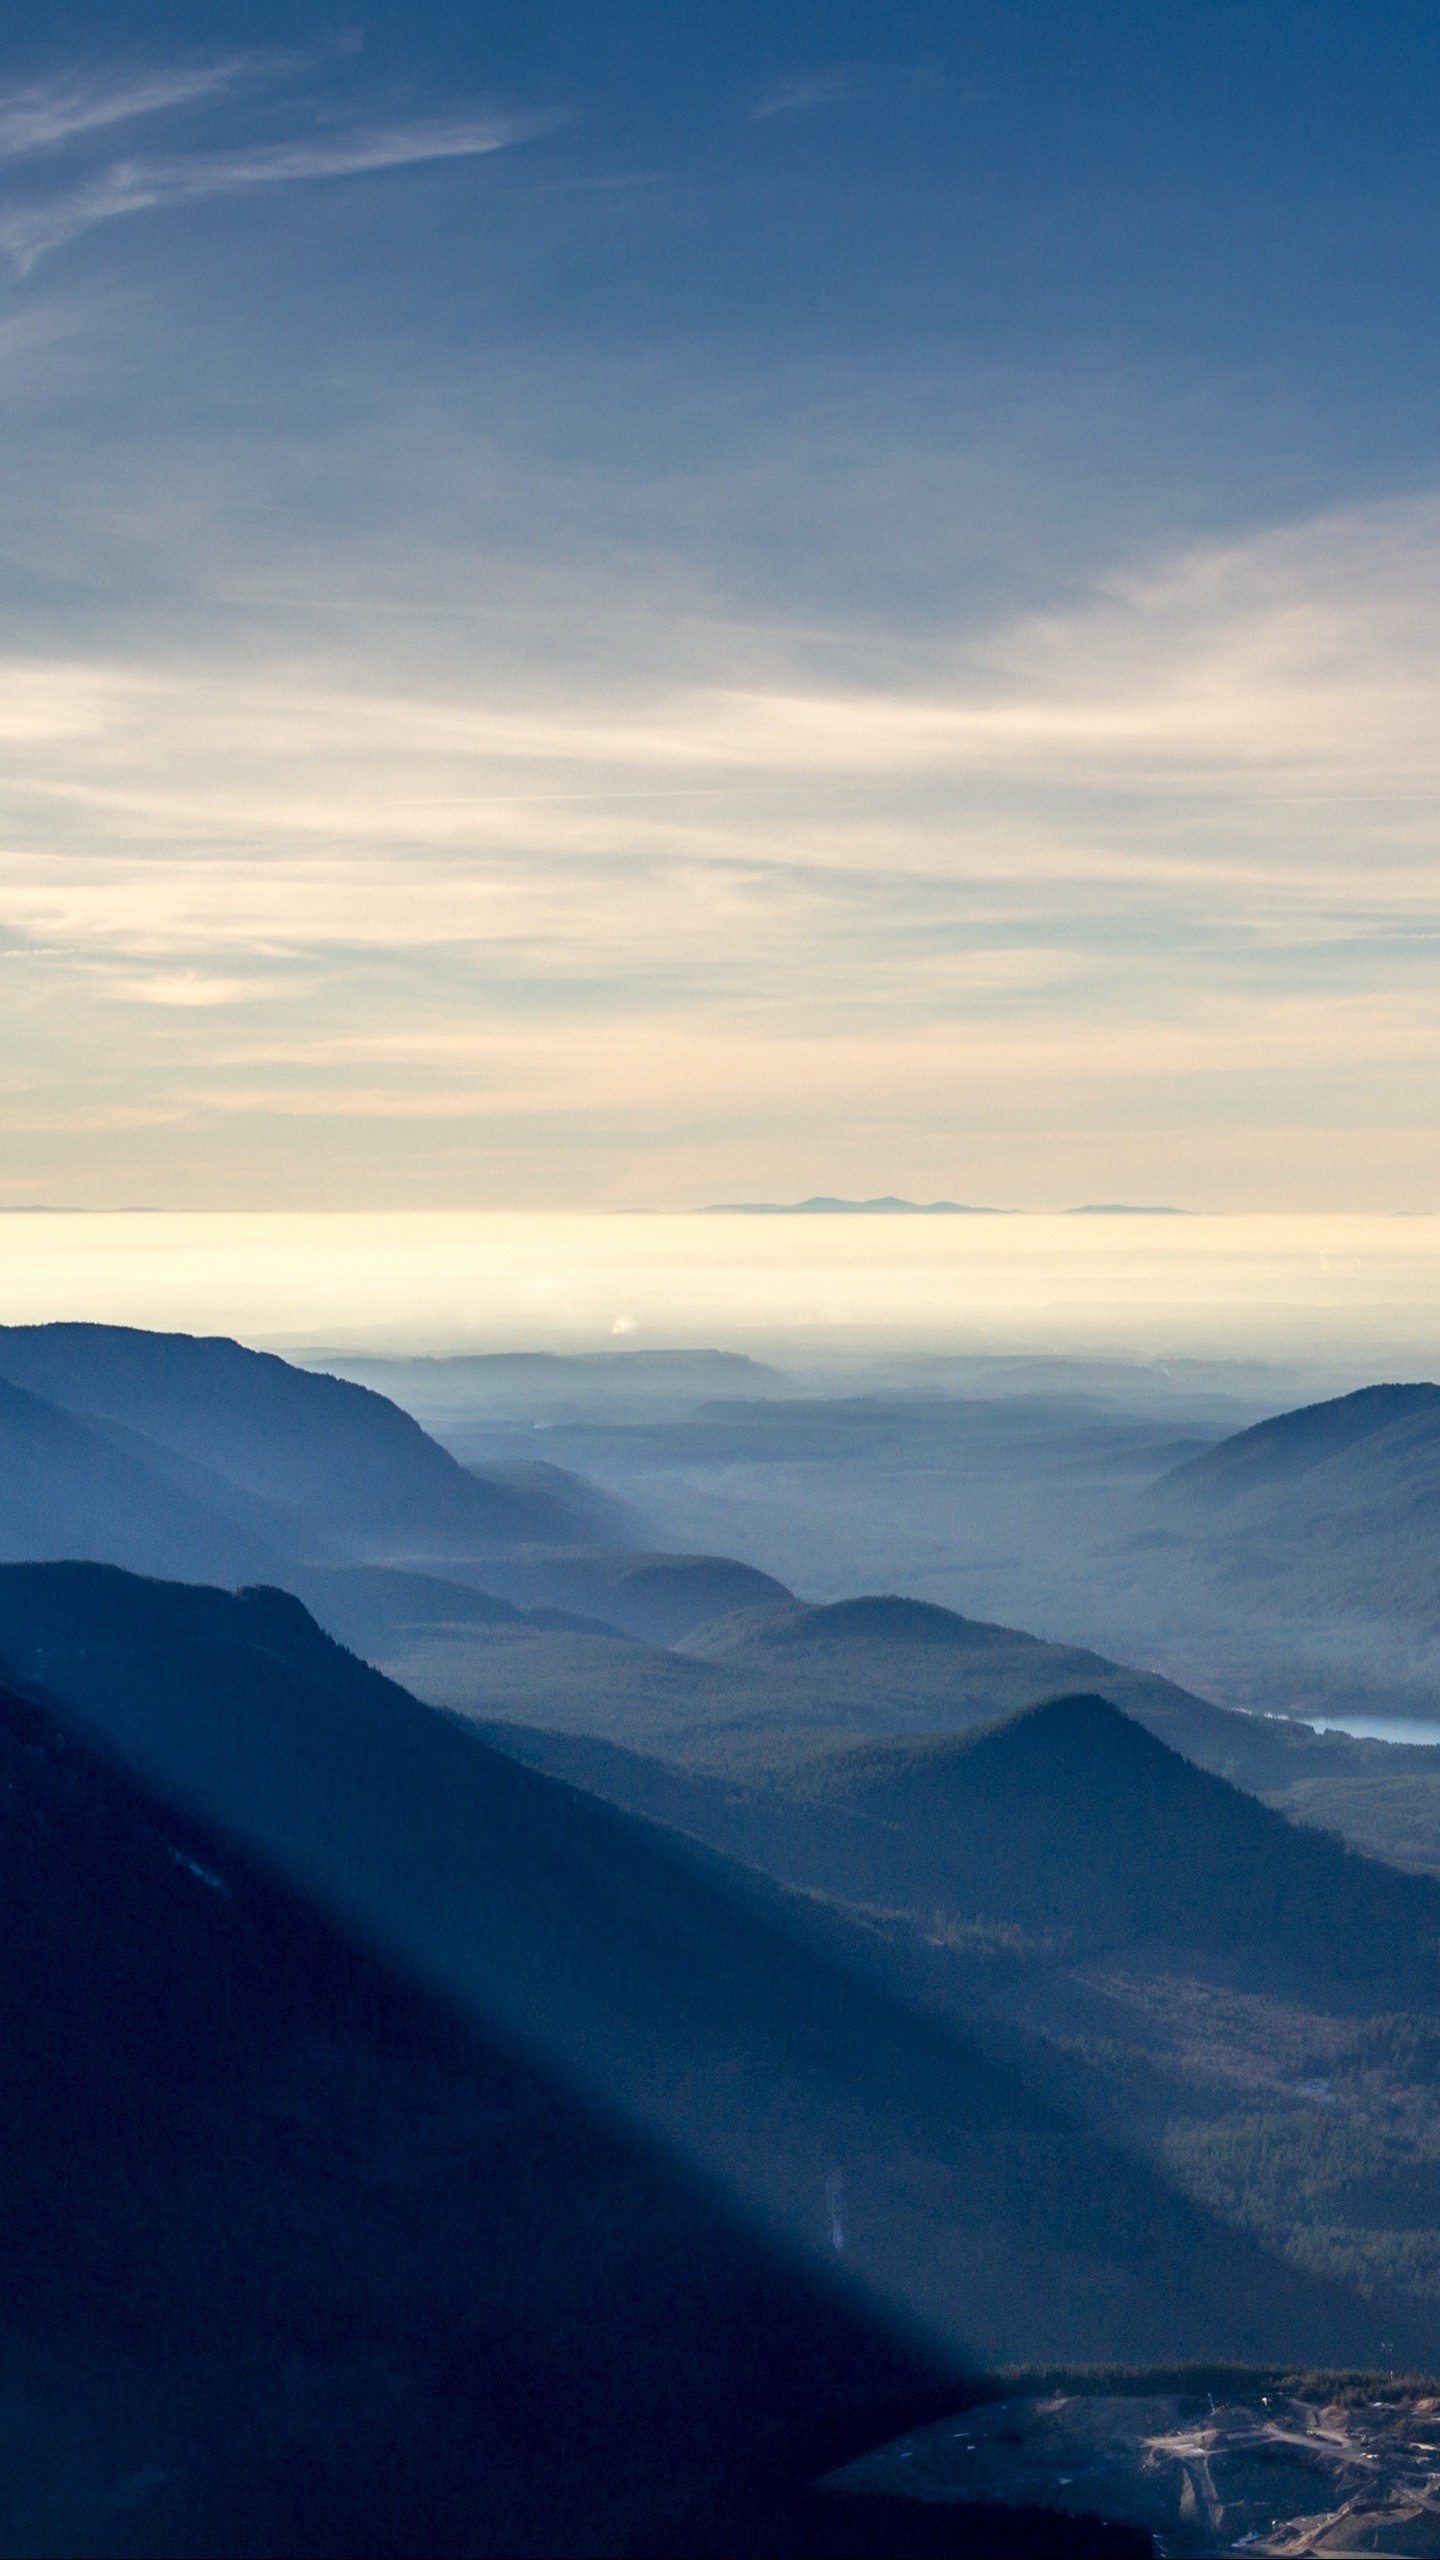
200, 1460
823, 1206
1310, 1542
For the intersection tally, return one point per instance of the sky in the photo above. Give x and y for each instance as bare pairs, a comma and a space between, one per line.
619, 608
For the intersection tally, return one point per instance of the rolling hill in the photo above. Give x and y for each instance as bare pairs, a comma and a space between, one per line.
1069, 1822
765, 1685
661, 1599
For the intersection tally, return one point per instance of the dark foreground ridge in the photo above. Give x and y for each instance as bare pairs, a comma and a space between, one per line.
295, 2261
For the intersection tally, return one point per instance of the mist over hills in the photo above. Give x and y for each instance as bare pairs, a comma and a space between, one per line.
337, 1463
950, 1965
523, 1387
201, 1460
1031, 1493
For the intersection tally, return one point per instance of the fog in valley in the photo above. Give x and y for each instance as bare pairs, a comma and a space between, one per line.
1028, 1489
662, 1830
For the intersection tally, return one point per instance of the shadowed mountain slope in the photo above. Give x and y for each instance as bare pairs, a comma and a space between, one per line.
1299, 1562
75, 1488
293, 2261
693, 2002
1070, 1822
1366, 1438
345, 1467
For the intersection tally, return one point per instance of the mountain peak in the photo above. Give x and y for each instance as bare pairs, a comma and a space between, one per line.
871, 1617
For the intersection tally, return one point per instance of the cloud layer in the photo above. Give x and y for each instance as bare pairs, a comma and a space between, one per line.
528, 685
1161, 863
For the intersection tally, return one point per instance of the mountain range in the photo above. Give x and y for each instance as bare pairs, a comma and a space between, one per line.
621, 1989
822, 1205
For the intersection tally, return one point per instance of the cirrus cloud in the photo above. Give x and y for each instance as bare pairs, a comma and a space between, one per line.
27, 232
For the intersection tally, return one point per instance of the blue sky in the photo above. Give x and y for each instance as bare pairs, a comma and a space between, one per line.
622, 607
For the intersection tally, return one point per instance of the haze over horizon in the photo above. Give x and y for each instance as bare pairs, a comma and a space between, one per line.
617, 612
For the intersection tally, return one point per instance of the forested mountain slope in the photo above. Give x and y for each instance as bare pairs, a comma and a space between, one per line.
1069, 1822
1334, 1507
690, 1999
1238, 1999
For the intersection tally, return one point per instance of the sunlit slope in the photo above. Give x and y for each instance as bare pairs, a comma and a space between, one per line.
296, 2260
1237, 1999
691, 2000
73, 1487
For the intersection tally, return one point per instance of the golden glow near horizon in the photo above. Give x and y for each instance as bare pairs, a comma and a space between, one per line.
1129, 900
444, 1281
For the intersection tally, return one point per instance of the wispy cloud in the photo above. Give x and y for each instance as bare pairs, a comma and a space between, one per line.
832, 88
138, 186
48, 113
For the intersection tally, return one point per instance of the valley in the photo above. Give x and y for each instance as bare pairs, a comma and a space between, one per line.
1009, 2003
